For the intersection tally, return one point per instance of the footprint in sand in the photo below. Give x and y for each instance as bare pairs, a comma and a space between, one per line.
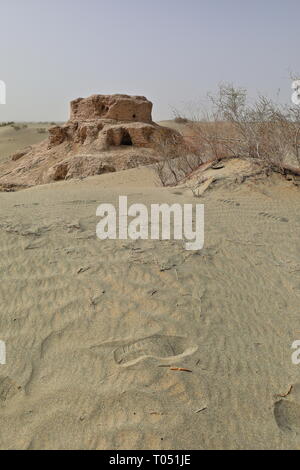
157, 346
230, 202
79, 202
8, 388
153, 377
287, 411
273, 217
287, 415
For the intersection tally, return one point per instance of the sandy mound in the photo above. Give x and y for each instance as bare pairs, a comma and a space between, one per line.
230, 173
104, 134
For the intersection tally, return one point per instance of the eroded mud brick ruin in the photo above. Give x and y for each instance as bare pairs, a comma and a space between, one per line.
105, 133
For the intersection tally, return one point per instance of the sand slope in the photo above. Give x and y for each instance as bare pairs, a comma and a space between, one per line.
13, 140
89, 324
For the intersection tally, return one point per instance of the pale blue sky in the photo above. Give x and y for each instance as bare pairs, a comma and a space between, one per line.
171, 51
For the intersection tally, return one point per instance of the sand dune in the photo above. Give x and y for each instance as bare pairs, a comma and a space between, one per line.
93, 328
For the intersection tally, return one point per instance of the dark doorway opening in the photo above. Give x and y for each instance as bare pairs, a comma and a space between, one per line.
126, 139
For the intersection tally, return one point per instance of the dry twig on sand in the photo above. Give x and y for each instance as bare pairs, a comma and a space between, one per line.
283, 395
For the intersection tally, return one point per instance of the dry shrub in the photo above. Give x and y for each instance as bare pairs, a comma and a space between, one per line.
176, 162
181, 120
5, 124
263, 130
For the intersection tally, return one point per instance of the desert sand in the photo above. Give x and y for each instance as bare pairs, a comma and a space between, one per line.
93, 328
19, 136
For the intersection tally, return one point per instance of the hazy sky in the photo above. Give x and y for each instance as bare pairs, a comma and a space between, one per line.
172, 51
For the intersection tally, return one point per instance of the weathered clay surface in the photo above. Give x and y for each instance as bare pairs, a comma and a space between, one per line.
105, 133
116, 107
